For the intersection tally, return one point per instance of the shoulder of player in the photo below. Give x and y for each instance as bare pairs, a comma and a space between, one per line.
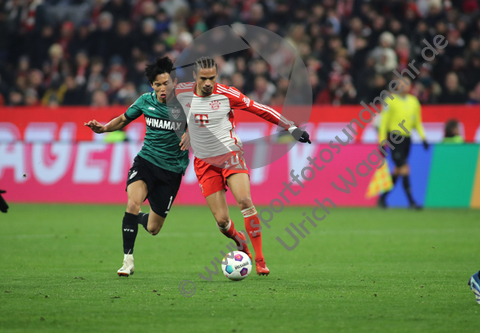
414, 99
184, 86
142, 99
146, 97
230, 92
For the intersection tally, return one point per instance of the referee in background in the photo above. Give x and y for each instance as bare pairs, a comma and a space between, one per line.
405, 108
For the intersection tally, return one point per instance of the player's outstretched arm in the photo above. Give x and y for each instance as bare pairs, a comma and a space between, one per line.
114, 125
242, 102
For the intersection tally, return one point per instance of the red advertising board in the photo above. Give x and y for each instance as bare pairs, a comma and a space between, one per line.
95, 172
47, 155
66, 123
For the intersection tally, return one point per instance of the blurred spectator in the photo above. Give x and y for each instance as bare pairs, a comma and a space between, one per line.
331, 94
82, 40
115, 81
52, 68
452, 132
263, 90
54, 94
103, 37
40, 45
31, 97
128, 94
238, 81
3, 91
453, 92
99, 99
425, 88
123, 41
147, 36
15, 98
402, 49
35, 80
385, 57
73, 94
349, 47
96, 77
473, 71
120, 9
66, 36
474, 96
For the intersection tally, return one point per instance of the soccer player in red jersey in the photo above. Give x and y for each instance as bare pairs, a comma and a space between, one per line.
218, 152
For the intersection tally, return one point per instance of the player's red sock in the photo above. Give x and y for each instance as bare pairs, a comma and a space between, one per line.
252, 225
232, 233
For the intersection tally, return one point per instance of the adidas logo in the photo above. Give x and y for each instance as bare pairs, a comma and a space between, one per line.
188, 105
134, 173
128, 230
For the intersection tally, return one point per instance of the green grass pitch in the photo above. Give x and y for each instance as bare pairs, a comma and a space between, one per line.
360, 270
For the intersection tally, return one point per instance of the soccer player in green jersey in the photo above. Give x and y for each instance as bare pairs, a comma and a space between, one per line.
158, 168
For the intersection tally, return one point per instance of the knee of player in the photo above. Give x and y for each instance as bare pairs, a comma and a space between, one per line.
154, 232
244, 202
133, 207
223, 222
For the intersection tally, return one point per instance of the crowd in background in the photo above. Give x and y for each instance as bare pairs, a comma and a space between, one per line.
73, 52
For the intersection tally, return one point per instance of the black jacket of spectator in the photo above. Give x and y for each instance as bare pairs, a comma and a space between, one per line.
102, 41
120, 9
456, 97
82, 41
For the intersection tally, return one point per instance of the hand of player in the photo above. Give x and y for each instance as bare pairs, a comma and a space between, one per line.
3, 203
425, 144
185, 142
301, 136
96, 126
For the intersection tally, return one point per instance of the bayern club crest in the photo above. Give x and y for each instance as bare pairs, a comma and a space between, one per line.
215, 105
175, 111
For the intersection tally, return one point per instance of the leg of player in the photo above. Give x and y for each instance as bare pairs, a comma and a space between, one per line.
155, 223
405, 172
239, 184
217, 202
137, 192
152, 222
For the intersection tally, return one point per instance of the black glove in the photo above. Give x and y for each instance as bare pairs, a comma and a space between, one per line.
301, 136
3, 203
425, 144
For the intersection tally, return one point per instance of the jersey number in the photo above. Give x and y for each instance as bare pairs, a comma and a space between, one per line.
235, 160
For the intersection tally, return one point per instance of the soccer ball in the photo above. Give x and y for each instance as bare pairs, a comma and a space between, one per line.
236, 265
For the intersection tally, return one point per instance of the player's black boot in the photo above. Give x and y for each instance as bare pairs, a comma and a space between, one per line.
382, 201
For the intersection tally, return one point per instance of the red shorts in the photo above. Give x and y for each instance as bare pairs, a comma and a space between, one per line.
213, 178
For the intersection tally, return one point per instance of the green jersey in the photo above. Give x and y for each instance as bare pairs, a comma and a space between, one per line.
165, 126
453, 139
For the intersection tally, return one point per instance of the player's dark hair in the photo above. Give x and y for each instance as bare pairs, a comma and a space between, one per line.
204, 62
450, 126
160, 66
